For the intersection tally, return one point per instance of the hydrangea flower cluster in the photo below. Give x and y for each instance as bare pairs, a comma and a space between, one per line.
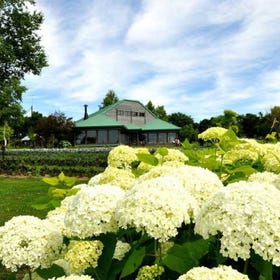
265, 177
271, 162
173, 155
212, 134
91, 211
123, 178
198, 181
122, 156
83, 254
73, 277
241, 152
57, 216
157, 206
121, 249
221, 272
149, 272
29, 241
247, 216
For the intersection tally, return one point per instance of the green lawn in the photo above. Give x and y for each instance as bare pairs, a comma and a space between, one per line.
17, 195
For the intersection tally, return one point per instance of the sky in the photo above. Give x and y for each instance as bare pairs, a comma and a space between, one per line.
196, 57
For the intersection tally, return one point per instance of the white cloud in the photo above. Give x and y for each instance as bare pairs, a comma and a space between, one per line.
198, 56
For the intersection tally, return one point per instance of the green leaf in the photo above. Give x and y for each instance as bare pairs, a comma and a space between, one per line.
109, 241
53, 271
53, 181
69, 181
265, 268
61, 177
149, 159
58, 193
134, 261
228, 140
181, 258
40, 206
163, 151
187, 145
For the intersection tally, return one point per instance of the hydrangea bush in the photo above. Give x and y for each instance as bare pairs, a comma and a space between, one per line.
179, 213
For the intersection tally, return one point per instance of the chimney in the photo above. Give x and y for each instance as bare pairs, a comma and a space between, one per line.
86, 113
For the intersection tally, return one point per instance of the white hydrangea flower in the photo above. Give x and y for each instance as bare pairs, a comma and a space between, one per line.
158, 206
271, 163
247, 215
264, 177
123, 178
240, 153
57, 216
95, 180
173, 155
221, 272
91, 211
122, 156
212, 133
149, 272
29, 241
82, 254
73, 277
121, 249
198, 181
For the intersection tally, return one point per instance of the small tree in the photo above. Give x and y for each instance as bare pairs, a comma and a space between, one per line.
55, 128
109, 99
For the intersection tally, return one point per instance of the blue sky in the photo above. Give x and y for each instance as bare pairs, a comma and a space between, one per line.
197, 57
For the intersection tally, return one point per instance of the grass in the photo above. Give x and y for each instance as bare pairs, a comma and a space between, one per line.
16, 197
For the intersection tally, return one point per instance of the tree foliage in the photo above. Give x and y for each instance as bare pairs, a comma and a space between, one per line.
55, 128
158, 111
109, 99
20, 54
20, 50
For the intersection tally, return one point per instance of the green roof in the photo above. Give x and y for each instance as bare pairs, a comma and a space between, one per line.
99, 119
158, 124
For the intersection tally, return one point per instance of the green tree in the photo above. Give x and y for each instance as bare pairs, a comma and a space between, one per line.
249, 125
150, 106
158, 111
20, 53
180, 119
55, 128
20, 50
109, 99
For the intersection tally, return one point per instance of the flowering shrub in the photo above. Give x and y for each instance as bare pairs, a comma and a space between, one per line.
217, 273
122, 157
247, 216
212, 134
73, 277
91, 211
170, 214
114, 176
83, 254
157, 206
29, 241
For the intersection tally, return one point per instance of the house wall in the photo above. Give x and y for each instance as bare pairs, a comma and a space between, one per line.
130, 112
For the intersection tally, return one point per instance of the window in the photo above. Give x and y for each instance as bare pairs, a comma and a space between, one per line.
152, 138
91, 137
162, 137
113, 136
171, 137
102, 136
142, 114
